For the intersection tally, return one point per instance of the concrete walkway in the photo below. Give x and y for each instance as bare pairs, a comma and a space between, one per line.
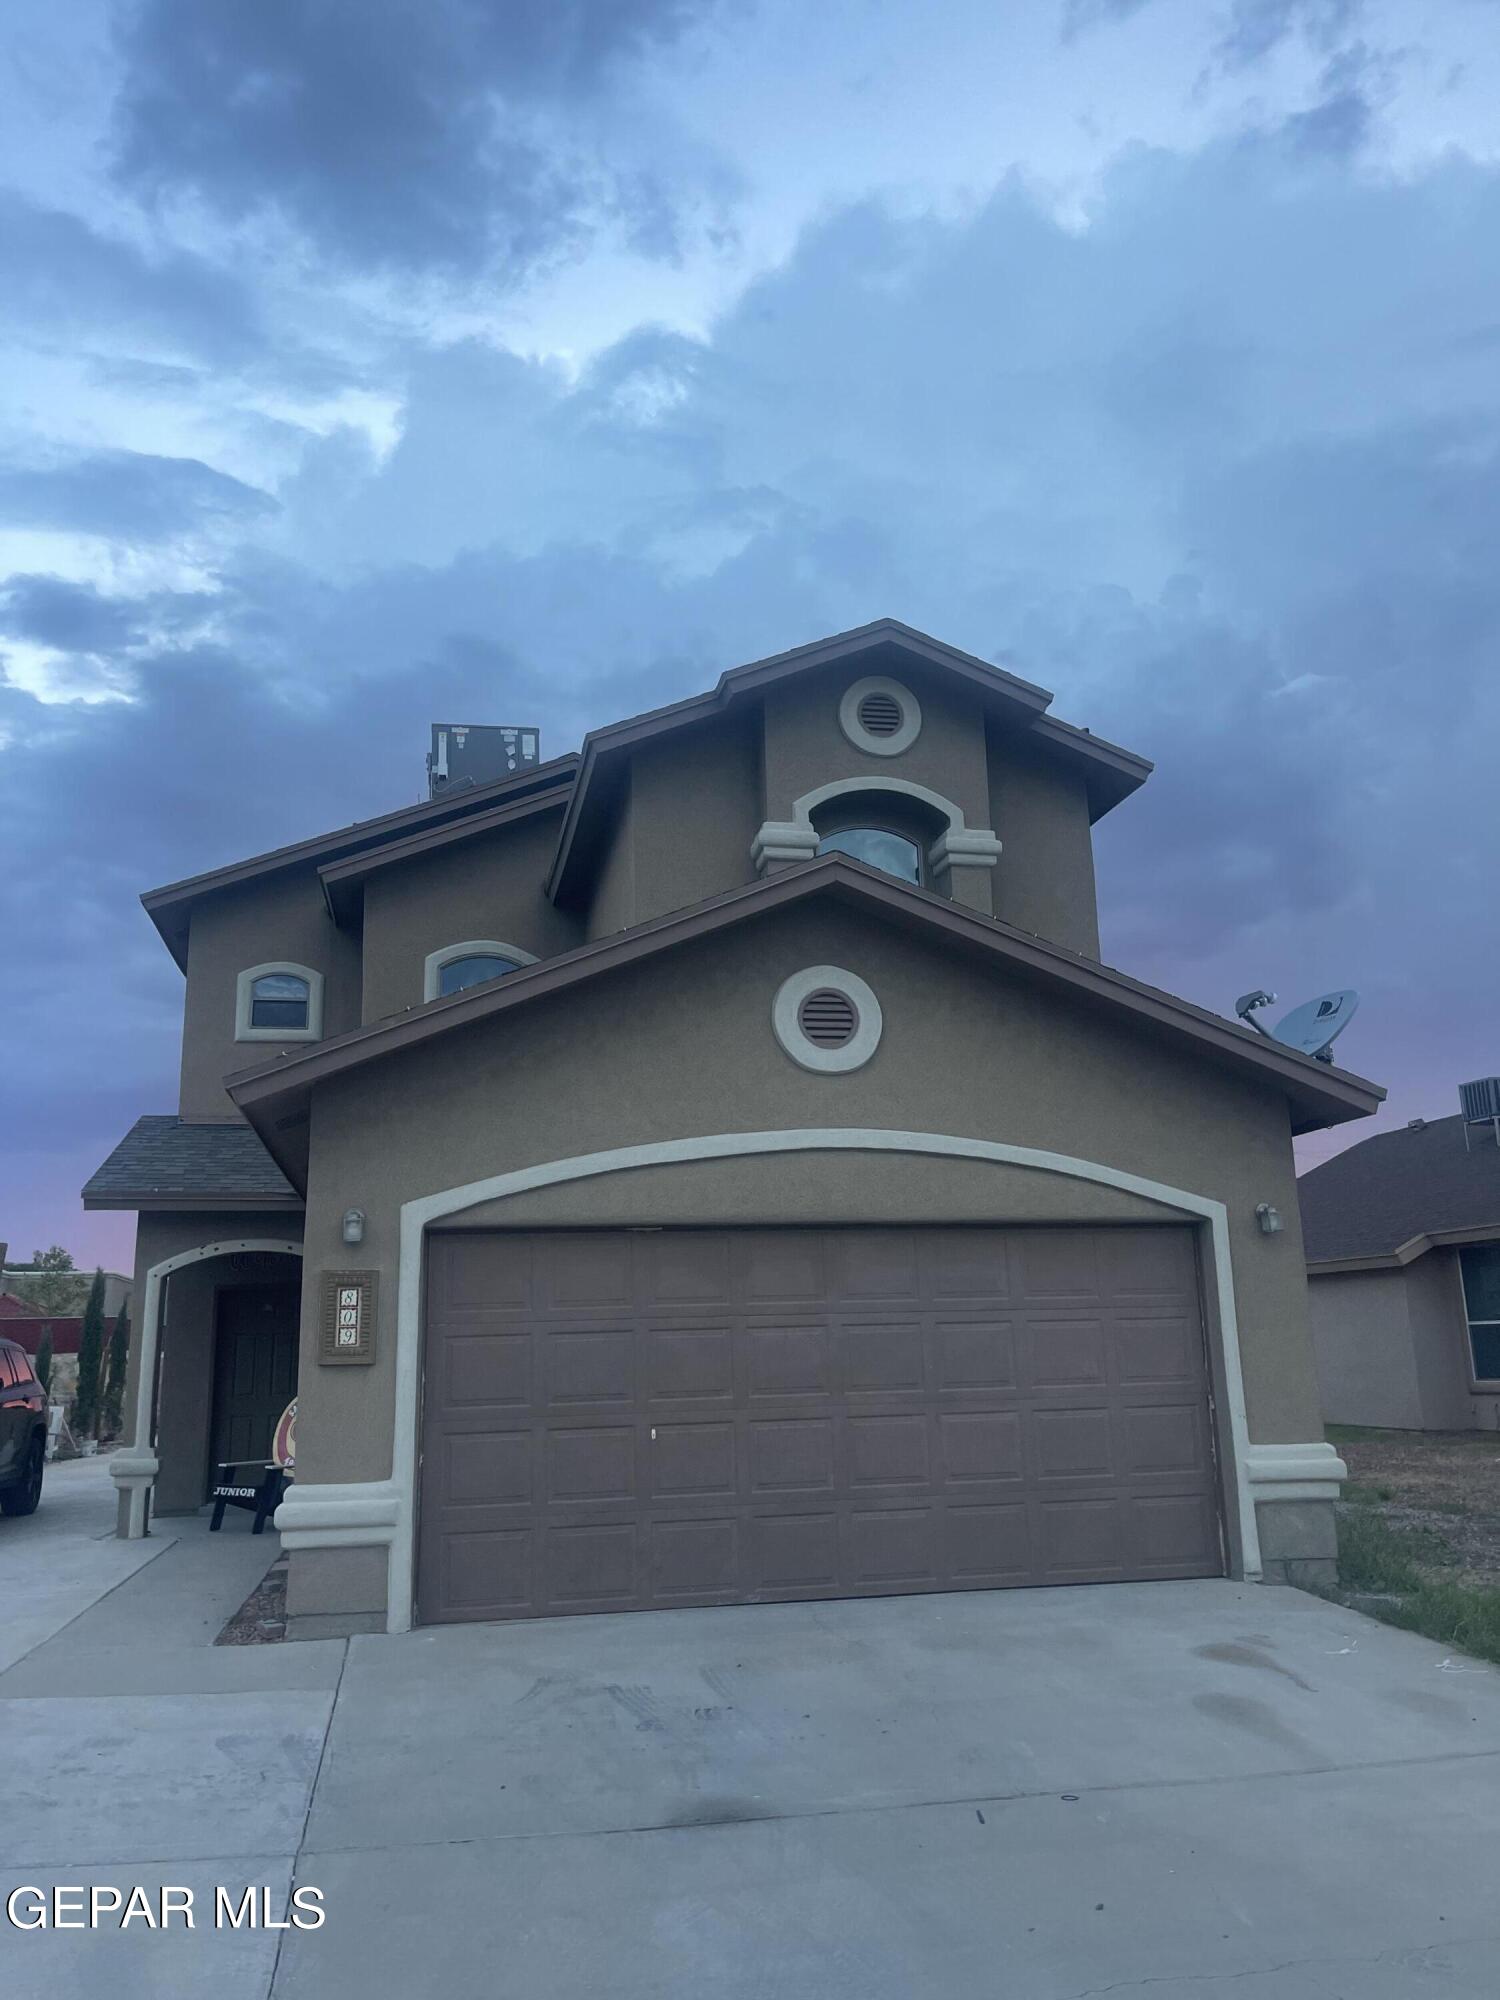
1195, 1789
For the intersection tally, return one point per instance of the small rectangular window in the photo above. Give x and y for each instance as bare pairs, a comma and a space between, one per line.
1480, 1265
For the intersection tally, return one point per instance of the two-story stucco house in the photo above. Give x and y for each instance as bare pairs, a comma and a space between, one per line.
718, 1167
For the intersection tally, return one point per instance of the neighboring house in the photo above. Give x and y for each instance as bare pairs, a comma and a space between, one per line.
718, 1167
20, 1321
1402, 1234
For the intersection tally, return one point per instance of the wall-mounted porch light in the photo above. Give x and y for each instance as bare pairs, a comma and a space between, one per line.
354, 1225
1269, 1219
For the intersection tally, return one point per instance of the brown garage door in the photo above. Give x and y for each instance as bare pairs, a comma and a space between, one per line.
614, 1421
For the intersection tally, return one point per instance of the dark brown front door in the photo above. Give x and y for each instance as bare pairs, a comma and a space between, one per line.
618, 1421
255, 1368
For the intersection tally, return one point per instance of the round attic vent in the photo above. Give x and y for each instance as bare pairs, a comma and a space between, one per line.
880, 714
828, 1018
880, 717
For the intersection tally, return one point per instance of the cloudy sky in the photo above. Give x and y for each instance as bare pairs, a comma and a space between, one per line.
369, 361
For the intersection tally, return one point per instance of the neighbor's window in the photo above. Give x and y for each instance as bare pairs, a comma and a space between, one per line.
279, 1000
1480, 1265
879, 847
461, 972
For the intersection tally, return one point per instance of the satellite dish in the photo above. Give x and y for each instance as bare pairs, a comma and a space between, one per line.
1311, 1028
1316, 1024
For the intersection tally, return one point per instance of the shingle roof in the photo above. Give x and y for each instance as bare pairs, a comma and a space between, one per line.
159, 1157
1369, 1200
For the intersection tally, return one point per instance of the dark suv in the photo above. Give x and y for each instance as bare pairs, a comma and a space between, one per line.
23, 1431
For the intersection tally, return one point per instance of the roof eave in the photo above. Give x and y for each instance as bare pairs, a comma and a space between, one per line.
169, 906
1318, 1095
153, 1199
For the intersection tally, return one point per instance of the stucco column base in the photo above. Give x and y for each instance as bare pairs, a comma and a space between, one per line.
1298, 1542
134, 1473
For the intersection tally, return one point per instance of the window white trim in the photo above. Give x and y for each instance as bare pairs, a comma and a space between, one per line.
342, 1516
796, 839
860, 737
861, 1045
433, 964
244, 995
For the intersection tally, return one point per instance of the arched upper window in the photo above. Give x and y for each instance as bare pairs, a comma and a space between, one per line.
278, 1003
879, 847
474, 963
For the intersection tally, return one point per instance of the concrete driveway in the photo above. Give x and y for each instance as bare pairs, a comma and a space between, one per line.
1190, 1788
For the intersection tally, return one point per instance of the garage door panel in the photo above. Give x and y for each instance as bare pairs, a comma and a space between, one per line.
792, 1456
890, 1546
617, 1420
589, 1365
792, 1553
688, 1364
873, 1264
789, 1360
781, 1266
879, 1356
692, 1459
888, 1451
981, 1445
977, 1354
1072, 1444
490, 1369
591, 1464
695, 1561
590, 1566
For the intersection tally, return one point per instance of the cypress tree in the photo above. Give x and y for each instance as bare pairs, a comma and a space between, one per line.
90, 1361
44, 1360
114, 1381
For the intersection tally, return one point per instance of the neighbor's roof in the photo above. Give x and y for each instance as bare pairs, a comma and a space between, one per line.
276, 1096
886, 645
1388, 1198
168, 1163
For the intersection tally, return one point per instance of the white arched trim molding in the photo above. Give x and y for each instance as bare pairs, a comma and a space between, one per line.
135, 1466
796, 839
432, 967
382, 1512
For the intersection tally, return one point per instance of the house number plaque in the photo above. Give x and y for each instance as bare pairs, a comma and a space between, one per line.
348, 1327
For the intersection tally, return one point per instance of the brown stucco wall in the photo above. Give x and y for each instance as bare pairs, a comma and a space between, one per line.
187, 1343
283, 917
487, 887
684, 1045
612, 905
806, 748
1044, 881
687, 813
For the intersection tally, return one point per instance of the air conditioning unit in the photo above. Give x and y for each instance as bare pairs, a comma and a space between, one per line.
1481, 1106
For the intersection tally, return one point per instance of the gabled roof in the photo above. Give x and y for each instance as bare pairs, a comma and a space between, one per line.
276, 1096
169, 908
344, 880
886, 646
1386, 1200
166, 1163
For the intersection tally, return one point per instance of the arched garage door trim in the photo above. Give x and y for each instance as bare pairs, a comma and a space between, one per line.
384, 1511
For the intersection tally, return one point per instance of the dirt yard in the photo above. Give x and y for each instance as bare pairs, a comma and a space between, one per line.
1440, 1488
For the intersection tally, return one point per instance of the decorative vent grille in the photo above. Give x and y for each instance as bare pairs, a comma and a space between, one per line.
880, 714
828, 1018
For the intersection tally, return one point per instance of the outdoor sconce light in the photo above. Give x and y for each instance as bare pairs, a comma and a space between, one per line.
354, 1225
1269, 1218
